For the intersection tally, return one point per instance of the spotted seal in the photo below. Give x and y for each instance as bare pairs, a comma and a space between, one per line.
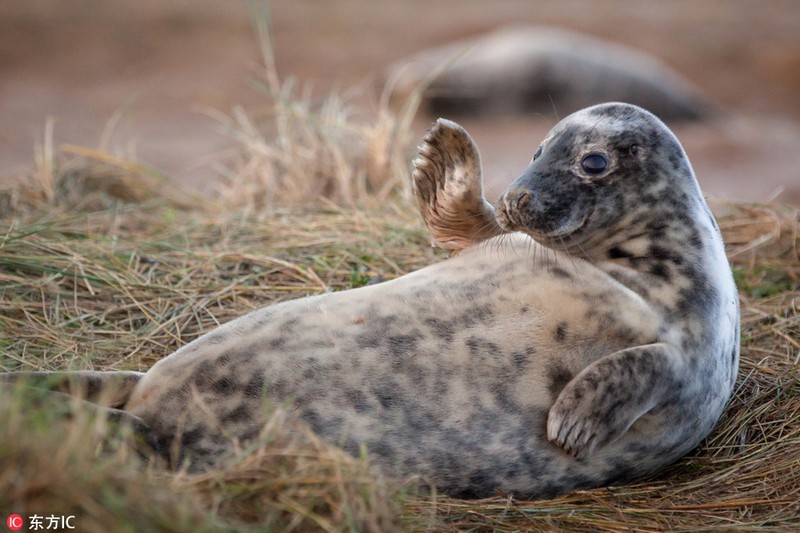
585, 332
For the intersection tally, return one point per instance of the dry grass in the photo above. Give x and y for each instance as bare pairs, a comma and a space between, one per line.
311, 150
81, 465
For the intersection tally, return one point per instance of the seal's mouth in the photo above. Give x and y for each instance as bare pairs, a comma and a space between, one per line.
514, 217
563, 235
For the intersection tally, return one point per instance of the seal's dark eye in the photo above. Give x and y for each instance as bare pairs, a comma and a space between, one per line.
537, 153
594, 164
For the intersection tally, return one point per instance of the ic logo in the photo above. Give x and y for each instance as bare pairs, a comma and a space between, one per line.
15, 522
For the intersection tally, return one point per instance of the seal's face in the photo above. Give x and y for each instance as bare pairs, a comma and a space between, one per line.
593, 172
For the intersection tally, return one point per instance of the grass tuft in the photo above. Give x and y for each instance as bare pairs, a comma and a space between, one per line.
58, 460
299, 150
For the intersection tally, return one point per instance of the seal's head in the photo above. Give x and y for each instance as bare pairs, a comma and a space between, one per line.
604, 168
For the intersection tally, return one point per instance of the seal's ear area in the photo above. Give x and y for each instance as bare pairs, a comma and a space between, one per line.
107, 389
448, 187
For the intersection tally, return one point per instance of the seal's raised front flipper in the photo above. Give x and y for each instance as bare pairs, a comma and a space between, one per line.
107, 389
449, 190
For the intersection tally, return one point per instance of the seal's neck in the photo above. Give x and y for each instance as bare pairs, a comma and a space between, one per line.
674, 216
660, 244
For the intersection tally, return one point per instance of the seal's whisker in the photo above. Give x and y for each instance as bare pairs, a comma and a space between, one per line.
553, 105
530, 246
571, 256
586, 255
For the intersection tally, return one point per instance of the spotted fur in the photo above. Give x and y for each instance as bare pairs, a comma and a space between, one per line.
586, 333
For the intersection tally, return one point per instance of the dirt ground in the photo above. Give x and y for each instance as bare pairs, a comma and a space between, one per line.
139, 78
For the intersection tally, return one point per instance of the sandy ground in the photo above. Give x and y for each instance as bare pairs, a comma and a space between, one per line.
138, 78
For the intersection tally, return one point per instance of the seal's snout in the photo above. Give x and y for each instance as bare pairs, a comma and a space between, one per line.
526, 206
517, 200
512, 206
544, 205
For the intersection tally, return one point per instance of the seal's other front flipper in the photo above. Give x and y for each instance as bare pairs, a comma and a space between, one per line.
40, 403
106, 389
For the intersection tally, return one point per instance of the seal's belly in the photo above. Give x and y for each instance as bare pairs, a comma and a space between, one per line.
470, 352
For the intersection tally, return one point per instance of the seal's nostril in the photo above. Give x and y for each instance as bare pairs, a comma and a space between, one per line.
523, 200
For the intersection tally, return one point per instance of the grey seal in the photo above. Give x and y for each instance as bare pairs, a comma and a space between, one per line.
585, 332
